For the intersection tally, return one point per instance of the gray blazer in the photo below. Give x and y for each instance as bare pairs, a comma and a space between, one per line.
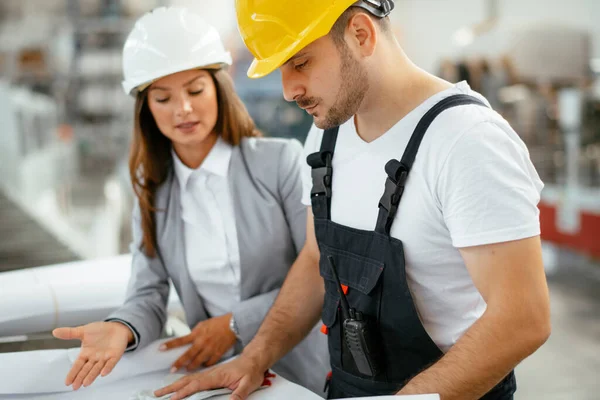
271, 226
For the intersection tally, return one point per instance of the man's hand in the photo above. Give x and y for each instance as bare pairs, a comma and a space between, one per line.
242, 375
210, 339
293, 315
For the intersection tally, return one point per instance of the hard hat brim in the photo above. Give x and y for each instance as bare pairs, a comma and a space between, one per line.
132, 87
261, 68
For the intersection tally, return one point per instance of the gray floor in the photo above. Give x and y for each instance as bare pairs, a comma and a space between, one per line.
568, 365
23, 243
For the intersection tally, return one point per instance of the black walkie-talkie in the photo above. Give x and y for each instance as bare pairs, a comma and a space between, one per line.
359, 333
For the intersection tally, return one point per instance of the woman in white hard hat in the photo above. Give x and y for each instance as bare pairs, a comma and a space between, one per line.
218, 209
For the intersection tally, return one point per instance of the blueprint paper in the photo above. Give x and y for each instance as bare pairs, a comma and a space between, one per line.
126, 389
404, 397
207, 394
44, 371
40, 375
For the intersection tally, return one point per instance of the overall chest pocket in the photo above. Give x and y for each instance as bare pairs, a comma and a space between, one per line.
360, 274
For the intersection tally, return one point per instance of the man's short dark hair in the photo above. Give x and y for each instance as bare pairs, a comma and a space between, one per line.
338, 29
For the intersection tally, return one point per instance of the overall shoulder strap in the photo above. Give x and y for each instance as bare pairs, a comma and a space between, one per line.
322, 174
398, 171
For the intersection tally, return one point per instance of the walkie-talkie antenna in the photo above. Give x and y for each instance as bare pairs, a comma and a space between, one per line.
346, 313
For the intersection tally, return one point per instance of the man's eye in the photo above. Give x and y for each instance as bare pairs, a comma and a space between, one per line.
300, 66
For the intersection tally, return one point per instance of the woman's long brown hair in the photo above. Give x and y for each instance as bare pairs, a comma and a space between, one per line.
150, 154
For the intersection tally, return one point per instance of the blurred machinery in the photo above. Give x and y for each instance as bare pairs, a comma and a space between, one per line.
34, 158
539, 77
264, 100
69, 124
65, 56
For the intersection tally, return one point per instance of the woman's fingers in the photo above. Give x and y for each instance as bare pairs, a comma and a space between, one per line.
83, 373
178, 342
213, 360
94, 372
75, 369
110, 365
202, 356
186, 357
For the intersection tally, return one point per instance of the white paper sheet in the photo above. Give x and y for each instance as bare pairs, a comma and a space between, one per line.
45, 371
40, 375
407, 397
148, 394
25, 308
124, 389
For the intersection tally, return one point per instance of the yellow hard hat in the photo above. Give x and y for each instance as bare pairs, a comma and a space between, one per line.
275, 30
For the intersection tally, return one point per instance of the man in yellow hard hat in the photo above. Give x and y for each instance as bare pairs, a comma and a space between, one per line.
422, 255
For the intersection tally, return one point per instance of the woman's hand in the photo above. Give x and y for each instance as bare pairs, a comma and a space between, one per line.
102, 345
210, 339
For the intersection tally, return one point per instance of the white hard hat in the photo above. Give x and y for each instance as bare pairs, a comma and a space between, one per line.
167, 40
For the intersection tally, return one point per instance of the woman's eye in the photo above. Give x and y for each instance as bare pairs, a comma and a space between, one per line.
162, 100
197, 92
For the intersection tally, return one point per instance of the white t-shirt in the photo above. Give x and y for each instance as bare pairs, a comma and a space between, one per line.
472, 183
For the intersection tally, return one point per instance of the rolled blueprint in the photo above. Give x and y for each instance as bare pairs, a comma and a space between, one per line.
43, 298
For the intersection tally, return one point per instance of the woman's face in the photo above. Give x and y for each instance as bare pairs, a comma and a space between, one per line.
184, 106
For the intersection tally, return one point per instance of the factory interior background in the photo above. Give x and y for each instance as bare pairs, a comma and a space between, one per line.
65, 130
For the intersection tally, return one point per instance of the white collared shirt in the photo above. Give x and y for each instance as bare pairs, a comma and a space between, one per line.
210, 235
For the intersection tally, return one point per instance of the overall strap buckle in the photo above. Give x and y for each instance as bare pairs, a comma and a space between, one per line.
322, 173
320, 194
394, 188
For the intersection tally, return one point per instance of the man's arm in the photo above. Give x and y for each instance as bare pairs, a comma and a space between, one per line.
293, 315
297, 308
510, 277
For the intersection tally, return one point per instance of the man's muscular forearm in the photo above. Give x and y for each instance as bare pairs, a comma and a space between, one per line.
511, 278
479, 360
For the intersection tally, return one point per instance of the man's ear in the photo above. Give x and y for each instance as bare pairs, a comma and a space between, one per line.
362, 33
